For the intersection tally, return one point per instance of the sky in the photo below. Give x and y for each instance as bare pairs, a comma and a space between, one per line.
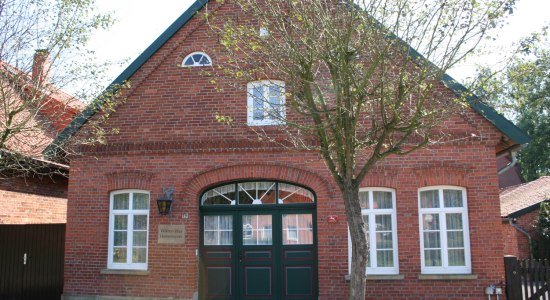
140, 22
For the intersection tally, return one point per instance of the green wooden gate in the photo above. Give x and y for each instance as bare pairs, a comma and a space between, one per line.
265, 250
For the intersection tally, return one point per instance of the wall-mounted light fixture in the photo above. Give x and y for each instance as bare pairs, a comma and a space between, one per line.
164, 203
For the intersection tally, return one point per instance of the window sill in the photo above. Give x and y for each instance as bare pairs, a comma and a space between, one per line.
124, 272
447, 276
379, 277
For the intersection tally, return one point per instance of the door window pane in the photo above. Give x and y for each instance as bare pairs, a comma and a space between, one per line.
289, 193
297, 229
257, 230
256, 192
223, 195
218, 230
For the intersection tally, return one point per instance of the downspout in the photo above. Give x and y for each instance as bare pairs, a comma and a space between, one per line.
512, 223
513, 154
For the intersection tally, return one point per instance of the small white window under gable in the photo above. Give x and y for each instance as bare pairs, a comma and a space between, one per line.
266, 102
197, 59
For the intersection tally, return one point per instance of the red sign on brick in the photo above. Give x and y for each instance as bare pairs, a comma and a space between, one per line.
332, 219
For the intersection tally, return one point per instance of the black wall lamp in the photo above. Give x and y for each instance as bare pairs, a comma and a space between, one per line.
164, 203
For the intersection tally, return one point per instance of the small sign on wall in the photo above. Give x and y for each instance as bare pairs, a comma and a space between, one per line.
332, 219
171, 234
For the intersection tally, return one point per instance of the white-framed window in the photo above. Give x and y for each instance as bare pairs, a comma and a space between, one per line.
444, 231
265, 102
128, 230
197, 59
379, 215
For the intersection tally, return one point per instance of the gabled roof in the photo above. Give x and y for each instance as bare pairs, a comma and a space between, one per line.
523, 198
504, 125
56, 108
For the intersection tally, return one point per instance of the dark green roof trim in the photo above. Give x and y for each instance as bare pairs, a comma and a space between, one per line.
500, 122
503, 124
526, 210
91, 109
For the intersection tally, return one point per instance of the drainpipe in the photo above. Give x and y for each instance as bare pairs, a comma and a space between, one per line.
513, 154
512, 223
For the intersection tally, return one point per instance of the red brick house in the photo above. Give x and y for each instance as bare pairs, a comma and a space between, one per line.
519, 208
251, 220
28, 198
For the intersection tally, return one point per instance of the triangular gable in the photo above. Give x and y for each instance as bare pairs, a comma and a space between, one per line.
499, 121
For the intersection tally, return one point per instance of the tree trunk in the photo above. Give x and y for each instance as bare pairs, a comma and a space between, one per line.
359, 241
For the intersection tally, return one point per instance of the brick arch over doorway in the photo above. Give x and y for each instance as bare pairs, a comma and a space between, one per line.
215, 176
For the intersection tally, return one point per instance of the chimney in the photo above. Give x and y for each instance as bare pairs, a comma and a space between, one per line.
41, 66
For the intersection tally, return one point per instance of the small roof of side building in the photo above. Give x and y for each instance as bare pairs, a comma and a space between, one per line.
523, 198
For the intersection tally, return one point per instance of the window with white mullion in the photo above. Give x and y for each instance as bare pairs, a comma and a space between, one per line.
378, 210
128, 233
266, 102
444, 227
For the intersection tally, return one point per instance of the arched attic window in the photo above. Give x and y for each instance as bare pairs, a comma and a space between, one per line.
197, 59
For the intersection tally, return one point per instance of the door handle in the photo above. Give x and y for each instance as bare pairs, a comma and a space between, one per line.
25, 258
241, 257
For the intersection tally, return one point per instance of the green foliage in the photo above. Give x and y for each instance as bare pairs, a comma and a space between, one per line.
522, 93
60, 29
542, 225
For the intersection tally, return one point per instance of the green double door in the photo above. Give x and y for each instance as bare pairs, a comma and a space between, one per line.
258, 254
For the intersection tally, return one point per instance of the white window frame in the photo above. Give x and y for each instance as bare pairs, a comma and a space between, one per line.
371, 212
265, 94
196, 64
129, 239
442, 210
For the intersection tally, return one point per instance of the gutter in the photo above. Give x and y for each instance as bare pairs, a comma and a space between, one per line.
513, 152
512, 222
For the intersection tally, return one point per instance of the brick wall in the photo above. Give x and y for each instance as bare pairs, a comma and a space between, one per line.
33, 200
515, 242
169, 137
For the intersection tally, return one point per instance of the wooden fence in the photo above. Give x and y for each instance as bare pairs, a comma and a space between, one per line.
527, 279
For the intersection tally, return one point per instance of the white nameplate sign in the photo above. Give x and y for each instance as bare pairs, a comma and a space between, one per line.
171, 234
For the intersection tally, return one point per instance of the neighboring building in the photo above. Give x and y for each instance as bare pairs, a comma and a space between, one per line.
34, 197
519, 208
253, 220
33, 203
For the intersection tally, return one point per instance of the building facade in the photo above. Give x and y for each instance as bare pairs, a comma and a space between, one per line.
253, 220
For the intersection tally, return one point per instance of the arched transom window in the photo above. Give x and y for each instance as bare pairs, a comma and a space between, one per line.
197, 59
257, 192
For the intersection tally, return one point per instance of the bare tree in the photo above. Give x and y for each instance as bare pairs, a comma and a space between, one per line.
355, 89
42, 54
